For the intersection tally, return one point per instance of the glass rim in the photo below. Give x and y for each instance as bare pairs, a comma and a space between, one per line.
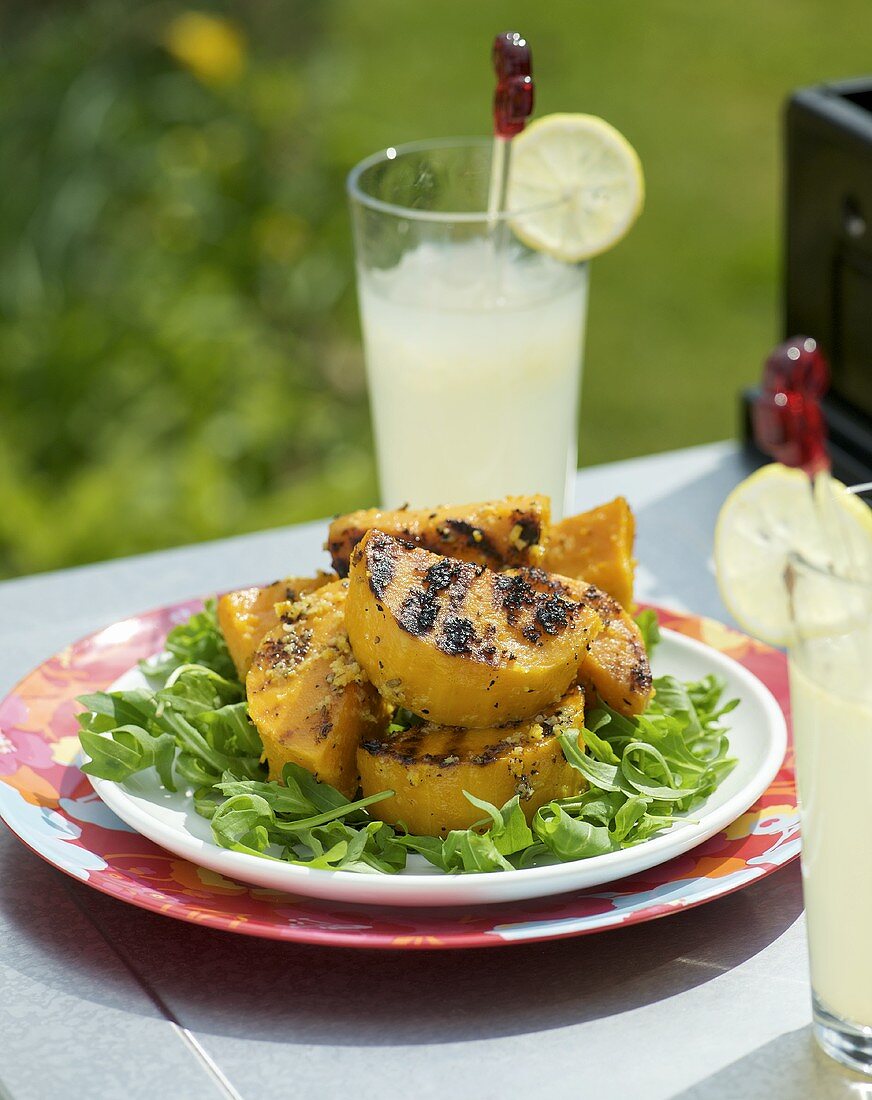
412, 213
797, 561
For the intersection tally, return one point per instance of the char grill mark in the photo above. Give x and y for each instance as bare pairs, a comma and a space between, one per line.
453, 577
405, 749
421, 607
444, 585
554, 613
531, 528
342, 549
418, 612
440, 575
512, 593
515, 592
472, 535
601, 602
641, 678
538, 579
458, 635
380, 564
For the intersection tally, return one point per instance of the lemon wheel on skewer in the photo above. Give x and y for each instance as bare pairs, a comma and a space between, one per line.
774, 513
588, 161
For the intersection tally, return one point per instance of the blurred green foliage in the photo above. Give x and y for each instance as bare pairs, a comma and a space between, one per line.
179, 355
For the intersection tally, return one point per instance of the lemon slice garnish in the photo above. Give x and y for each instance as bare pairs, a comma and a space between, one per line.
592, 165
770, 516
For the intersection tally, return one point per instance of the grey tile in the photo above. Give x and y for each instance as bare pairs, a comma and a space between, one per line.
74, 1022
479, 1023
789, 1067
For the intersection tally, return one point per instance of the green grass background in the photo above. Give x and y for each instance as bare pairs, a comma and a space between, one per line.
179, 353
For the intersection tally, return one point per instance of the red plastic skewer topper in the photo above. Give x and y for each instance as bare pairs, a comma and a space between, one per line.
513, 98
787, 419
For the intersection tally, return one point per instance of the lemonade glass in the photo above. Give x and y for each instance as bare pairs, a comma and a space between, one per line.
472, 340
831, 701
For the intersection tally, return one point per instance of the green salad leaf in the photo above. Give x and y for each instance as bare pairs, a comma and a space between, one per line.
192, 726
649, 627
198, 641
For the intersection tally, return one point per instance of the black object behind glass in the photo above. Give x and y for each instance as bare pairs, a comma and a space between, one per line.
828, 254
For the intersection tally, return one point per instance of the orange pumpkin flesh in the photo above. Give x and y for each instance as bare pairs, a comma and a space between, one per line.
596, 546
497, 533
615, 665
245, 616
429, 767
307, 695
456, 643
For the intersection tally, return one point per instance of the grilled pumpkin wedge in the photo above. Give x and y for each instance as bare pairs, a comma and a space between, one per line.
497, 533
429, 767
596, 546
615, 665
246, 616
456, 643
307, 695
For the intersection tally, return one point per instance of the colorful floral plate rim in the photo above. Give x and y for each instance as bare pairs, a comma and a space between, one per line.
50, 805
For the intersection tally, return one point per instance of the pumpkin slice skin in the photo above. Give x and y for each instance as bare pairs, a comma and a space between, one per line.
498, 533
246, 615
429, 767
597, 547
616, 665
307, 695
456, 643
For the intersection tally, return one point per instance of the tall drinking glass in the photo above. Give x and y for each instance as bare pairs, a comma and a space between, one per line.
831, 700
472, 340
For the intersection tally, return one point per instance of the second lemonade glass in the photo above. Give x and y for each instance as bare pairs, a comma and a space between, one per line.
472, 340
831, 700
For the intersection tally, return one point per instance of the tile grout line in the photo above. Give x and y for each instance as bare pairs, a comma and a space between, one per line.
209, 1064
200, 1051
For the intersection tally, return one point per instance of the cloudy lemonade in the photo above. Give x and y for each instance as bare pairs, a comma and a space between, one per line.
831, 700
473, 364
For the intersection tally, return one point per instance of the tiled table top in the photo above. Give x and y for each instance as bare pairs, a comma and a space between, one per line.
98, 999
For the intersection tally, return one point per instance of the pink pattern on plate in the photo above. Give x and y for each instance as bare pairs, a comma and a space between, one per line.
50, 805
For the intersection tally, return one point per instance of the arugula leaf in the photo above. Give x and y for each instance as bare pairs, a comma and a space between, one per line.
510, 831
430, 847
135, 707
345, 810
598, 746
598, 807
243, 823
568, 837
466, 850
604, 777
198, 641
649, 627
384, 852
628, 817
131, 749
403, 720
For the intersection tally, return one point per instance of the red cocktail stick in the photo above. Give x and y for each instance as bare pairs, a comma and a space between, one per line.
787, 419
513, 105
513, 98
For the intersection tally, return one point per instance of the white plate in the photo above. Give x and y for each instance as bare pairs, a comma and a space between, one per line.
758, 738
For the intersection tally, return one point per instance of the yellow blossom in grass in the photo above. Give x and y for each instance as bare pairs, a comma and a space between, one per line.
211, 47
